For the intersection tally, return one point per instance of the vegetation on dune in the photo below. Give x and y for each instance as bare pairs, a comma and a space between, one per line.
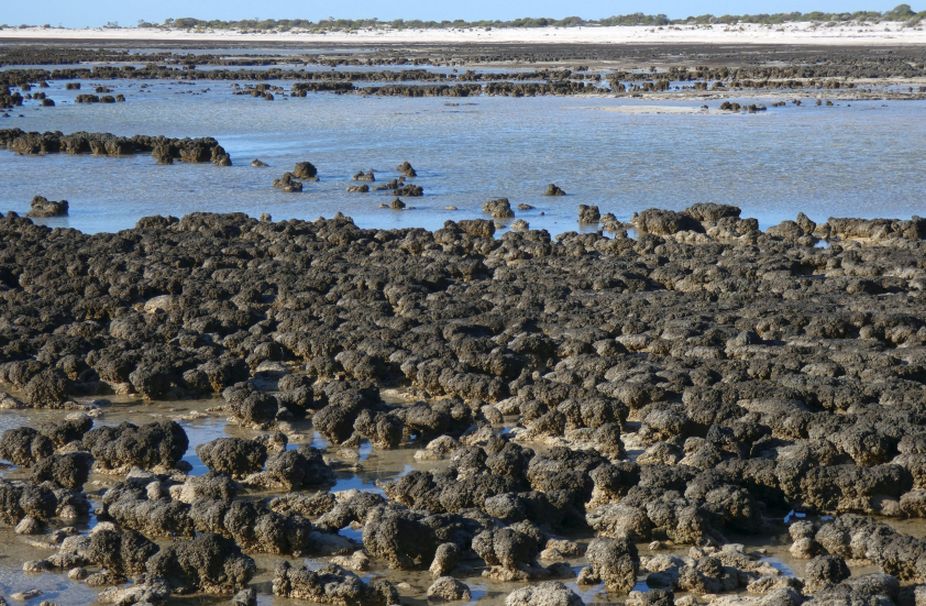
902, 13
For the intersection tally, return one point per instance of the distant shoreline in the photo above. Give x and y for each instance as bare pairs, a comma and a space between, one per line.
879, 34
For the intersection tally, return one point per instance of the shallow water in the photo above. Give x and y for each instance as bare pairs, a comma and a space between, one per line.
860, 158
363, 468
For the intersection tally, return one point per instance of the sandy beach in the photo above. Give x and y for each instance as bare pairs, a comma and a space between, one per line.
792, 33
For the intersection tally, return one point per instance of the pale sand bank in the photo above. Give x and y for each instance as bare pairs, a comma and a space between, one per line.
794, 33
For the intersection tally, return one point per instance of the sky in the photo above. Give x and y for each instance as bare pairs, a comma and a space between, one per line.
88, 13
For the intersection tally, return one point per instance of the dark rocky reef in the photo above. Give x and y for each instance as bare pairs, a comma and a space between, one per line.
691, 384
164, 149
43, 207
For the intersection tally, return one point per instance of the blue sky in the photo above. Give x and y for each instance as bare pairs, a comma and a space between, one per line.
80, 13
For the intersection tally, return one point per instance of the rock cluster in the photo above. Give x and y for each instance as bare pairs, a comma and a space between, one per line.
164, 149
698, 381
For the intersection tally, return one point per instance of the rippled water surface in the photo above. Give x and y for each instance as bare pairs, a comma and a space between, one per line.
859, 158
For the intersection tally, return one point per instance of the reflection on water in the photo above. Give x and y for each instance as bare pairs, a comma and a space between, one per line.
855, 159
779, 565
362, 482
55, 588
353, 534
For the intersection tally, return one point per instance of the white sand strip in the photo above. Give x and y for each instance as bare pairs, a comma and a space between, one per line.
792, 33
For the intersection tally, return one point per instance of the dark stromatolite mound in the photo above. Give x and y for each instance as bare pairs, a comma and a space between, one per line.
664, 222
234, 456
208, 564
250, 406
146, 446
305, 171
159, 507
27, 444
298, 469
164, 149
613, 561
406, 169
510, 552
331, 585
498, 208
121, 552
43, 207
37, 503
68, 470
19, 499
288, 183
749, 373
589, 215
399, 537
24, 446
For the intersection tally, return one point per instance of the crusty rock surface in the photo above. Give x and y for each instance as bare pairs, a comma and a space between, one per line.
332, 585
548, 593
695, 382
160, 444
43, 207
208, 564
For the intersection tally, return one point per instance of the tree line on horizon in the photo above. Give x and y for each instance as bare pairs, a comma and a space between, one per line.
901, 13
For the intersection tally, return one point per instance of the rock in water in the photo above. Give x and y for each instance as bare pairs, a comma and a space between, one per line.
288, 183
43, 207
405, 169
499, 208
305, 170
589, 215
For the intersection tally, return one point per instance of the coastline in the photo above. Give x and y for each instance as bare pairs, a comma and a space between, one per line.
881, 34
